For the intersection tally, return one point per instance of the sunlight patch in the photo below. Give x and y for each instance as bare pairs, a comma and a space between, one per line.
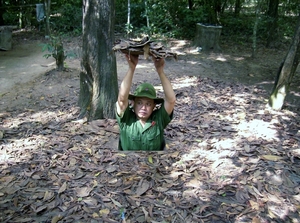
36, 117
239, 58
4, 157
185, 82
141, 66
221, 59
19, 150
257, 128
178, 44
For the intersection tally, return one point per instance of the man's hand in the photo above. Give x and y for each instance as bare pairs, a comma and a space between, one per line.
159, 64
132, 60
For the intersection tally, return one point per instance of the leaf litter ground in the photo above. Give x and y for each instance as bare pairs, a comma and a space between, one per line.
228, 158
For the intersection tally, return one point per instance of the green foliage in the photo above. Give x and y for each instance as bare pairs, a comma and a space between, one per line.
120, 15
128, 28
56, 50
166, 17
237, 26
66, 15
52, 47
138, 18
174, 19
187, 24
11, 18
67, 18
286, 26
241, 28
60, 3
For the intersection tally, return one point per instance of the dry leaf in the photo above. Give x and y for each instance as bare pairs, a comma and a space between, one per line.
83, 191
72, 162
95, 215
104, 212
62, 188
111, 169
256, 220
56, 219
48, 195
161, 189
147, 219
254, 205
142, 188
41, 208
116, 203
271, 157
113, 181
90, 201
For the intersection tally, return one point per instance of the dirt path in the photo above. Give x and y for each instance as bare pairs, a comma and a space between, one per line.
22, 64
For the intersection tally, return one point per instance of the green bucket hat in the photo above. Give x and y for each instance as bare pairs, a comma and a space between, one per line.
146, 90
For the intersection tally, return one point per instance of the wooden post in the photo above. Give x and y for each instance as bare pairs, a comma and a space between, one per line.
207, 37
6, 37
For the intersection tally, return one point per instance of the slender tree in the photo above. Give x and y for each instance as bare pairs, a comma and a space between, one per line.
47, 9
2, 10
190, 2
237, 7
98, 78
286, 72
254, 38
146, 13
272, 14
128, 25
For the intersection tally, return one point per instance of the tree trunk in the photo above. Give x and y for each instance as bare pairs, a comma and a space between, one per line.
218, 6
128, 12
146, 12
213, 7
237, 8
272, 24
98, 79
47, 12
286, 73
2, 10
60, 55
128, 25
190, 2
257, 17
224, 6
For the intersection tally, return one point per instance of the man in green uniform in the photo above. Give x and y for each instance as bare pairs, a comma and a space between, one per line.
142, 126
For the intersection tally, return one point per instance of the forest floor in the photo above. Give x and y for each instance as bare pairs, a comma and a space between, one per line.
229, 158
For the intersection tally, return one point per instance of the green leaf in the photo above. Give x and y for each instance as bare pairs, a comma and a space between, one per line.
150, 160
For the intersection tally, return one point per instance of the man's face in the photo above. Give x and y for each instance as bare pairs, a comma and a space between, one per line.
143, 107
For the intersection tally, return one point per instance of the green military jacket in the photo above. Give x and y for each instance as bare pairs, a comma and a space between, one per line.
133, 136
